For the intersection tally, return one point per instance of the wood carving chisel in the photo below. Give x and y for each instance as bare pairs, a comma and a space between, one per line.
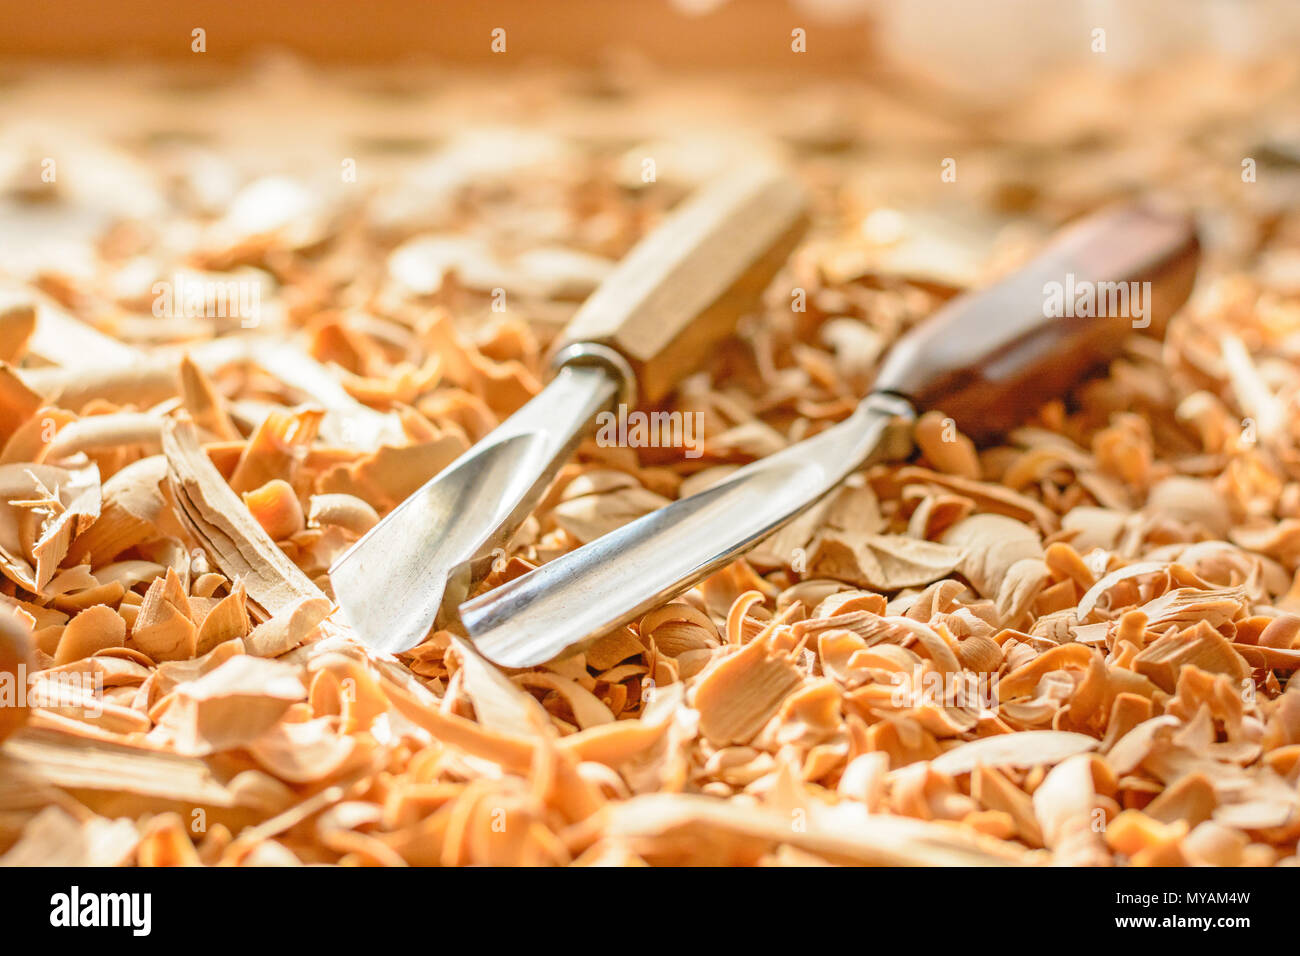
987, 359
655, 318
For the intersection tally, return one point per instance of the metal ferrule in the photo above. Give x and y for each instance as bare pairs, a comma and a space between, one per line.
602, 356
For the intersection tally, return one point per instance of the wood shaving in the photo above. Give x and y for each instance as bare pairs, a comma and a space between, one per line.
237, 544
15, 658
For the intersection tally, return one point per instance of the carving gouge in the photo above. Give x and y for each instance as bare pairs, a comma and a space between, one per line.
986, 358
655, 317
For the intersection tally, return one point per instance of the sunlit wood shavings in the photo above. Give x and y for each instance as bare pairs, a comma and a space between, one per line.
54, 838
880, 562
229, 534
1096, 671
16, 656
94, 629
737, 695
498, 704
289, 627
17, 323
46, 757
735, 834
133, 510
99, 432
45, 508
344, 511
60, 339
18, 404
1026, 749
229, 706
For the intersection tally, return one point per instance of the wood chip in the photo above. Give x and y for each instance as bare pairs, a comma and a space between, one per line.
1031, 748
93, 630
15, 660
1199, 646
229, 706
880, 562
230, 535
736, 696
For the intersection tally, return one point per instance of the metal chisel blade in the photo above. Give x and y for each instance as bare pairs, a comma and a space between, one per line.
393, 584
583, 594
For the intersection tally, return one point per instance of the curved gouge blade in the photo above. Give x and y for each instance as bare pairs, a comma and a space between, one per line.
392, 584
655, 318
992, 354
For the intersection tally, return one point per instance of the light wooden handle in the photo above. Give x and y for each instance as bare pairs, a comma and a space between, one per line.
680, 291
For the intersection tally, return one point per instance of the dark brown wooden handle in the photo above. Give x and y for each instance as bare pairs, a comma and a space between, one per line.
680, 291
991, 357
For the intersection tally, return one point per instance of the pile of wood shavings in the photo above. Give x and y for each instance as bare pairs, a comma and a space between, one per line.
1107, 603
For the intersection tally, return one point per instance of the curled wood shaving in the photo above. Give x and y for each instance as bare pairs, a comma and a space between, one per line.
230, 535
15, 657
344, 511
44, 509
276, 508
1200, 646
228, 706
94, 629
289, 627
99, 432
991, 545
498, 704
736, 696
132, 512
881, 562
